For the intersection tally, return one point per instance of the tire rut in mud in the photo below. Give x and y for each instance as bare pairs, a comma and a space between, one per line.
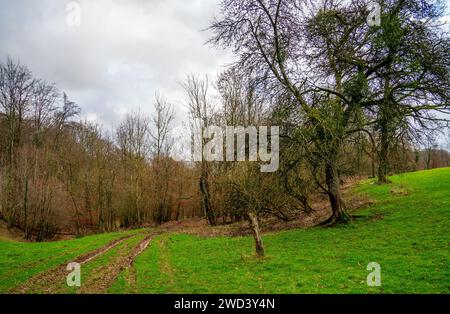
105, 276
49, 281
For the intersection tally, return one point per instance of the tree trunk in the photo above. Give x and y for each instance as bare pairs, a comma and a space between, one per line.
386, 121
25, 211
383, 164
334, 193
259, 247
372, 165
206, 203
428, 166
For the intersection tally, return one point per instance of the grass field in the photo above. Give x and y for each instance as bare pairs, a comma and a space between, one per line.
406, 231
20, 261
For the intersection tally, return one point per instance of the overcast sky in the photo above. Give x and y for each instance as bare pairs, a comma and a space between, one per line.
121, 54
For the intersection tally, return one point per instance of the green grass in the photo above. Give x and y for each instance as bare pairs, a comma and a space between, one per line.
19, 261
151, 271
96, 268
406, 231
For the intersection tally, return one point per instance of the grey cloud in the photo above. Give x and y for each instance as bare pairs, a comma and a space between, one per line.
122, 53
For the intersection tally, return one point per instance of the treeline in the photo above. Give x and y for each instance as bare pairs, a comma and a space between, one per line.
351, 99
58, 175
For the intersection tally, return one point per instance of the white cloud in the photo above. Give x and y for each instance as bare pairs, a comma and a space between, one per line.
123, 52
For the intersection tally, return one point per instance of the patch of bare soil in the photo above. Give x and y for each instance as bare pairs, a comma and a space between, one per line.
399, 191
50, 281
93, 255
320, 203
200, 227
11, 234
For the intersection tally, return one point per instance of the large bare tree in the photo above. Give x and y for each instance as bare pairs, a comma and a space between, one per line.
269, 37
338, 70
161, 143
201, 113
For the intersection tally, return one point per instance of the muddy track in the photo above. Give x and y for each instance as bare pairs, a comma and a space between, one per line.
50, 280
105, 276
130, 276
94, 254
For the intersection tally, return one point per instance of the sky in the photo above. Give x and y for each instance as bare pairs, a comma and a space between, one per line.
114, 55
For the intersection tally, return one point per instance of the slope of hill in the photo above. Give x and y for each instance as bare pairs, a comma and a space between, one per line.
405, 231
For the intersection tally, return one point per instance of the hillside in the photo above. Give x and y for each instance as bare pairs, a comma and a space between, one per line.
405, 230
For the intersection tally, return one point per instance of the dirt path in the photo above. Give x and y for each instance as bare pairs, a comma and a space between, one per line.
104, 277
53, 280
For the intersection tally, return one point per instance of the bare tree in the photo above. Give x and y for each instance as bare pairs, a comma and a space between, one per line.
161, 122
16, 92
161, 143
133, 140
44, 106
132, 135
68, 110
200, 111
269, 37
336, 68
412, 68
241, 104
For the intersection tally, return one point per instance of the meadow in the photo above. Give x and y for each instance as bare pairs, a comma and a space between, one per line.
404, 230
